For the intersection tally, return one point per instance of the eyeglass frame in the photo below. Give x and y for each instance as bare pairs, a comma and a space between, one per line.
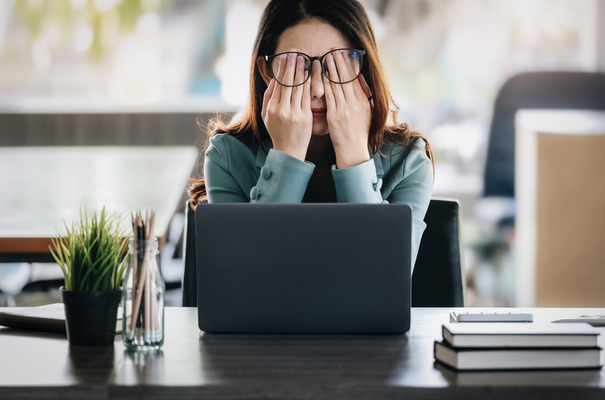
270, 58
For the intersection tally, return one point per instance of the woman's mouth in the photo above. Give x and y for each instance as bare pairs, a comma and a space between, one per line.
319, 113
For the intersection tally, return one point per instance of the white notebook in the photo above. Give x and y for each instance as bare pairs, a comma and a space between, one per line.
495, 335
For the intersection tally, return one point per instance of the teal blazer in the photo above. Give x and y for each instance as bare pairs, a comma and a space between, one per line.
238, 172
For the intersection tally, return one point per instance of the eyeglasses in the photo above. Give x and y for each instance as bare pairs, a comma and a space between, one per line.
349, 60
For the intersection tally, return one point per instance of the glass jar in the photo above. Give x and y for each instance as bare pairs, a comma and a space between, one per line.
143, 297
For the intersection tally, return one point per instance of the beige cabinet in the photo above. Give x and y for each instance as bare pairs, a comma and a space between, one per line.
560, 193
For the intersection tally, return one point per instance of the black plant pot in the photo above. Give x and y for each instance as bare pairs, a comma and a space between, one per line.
90, 317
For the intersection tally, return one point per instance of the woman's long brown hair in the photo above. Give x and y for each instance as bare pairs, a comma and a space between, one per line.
349, 17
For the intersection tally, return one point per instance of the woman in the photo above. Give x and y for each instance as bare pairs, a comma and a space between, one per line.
315, 128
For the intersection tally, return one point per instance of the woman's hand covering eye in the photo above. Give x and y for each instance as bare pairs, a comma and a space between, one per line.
286, 110
349, 112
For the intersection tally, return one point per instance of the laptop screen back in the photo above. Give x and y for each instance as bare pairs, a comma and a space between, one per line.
303, 268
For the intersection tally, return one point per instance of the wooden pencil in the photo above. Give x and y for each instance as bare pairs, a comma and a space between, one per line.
133, 270
143, 281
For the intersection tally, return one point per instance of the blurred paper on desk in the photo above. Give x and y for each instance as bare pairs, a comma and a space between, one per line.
48, 318
594, 320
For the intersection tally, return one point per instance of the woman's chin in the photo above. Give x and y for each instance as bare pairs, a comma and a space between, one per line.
320, 128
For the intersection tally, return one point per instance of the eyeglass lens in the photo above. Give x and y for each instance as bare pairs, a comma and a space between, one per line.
340, 66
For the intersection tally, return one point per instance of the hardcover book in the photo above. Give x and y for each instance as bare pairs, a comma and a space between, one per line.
483, 359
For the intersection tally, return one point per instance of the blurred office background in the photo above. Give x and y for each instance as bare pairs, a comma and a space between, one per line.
168, 61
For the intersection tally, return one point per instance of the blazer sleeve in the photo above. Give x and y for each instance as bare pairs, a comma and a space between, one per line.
282, 179
221, 185
357, 184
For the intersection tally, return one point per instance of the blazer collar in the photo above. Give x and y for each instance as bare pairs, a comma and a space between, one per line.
262, 151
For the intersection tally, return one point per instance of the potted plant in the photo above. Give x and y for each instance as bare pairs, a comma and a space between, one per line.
90, 255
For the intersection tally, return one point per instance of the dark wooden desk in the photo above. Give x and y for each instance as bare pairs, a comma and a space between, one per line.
41, 186
228, 366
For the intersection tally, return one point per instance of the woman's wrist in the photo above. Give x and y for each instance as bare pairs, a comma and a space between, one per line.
350, 156
296, 151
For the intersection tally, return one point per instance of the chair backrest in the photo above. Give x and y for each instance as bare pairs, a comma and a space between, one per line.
547, 90
189, 273
437, 280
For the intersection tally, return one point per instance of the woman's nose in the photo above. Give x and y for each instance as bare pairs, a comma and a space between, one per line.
317, 86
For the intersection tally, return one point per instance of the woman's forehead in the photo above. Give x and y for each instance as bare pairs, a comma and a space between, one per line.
312, 37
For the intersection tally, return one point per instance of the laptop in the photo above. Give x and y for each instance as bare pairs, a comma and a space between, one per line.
303, 268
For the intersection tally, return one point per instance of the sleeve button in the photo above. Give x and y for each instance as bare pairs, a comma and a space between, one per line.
254, 193
378, 185
265, 172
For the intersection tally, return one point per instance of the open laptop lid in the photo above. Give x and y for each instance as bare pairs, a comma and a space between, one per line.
304, 268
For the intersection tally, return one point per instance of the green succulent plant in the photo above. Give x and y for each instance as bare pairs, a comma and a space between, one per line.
90, 253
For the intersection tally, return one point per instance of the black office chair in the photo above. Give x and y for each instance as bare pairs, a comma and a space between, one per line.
547, 90
189, 257
437, 280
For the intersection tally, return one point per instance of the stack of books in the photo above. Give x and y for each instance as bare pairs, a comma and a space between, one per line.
518, 346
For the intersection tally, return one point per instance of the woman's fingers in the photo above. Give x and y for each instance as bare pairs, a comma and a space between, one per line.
285, 76
299, 76
281, 71
287, 79
358, 87
328, 94
364, 87
345, 75
367, 92
336, 88
267, 96
306, 97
